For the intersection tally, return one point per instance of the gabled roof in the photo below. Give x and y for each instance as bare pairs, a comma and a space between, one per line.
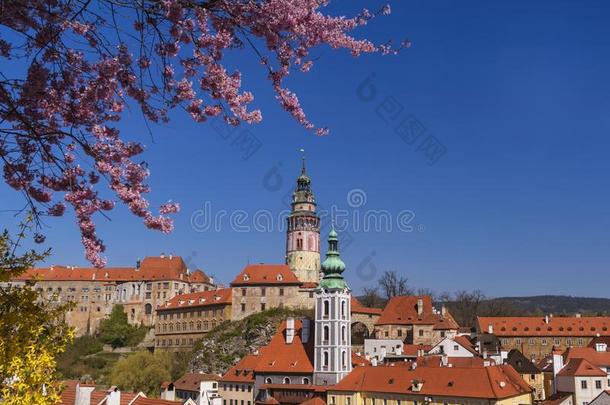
522, 364
463, 341
557, 398
151, 268
265, 274
538, 326
358, 308
412, 350
314, 401
580, 368
402, 310
68, 397
469, 362
359, 361
243, 371
192, 381
495, 382
599, 359
199, 299
286, 358
198, 276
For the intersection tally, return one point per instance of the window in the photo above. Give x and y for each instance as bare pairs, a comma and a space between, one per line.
326, 334
281, 292
543, 342
243, 307
531, 342
399, 332
557, 341
263, 306
421, 332
305, 380
325, 360
333, 400
583, 384
344, 359
442, 333
343, 335
268, 380
343, 309
326, 311
580, 342
263, 291
348, 401
518, 341
456, 348
148, 309
286, 380
598, 384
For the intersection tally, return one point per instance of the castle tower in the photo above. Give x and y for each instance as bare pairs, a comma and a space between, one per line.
303, 232
333, 346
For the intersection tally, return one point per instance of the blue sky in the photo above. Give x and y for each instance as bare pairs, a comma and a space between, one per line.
516, 94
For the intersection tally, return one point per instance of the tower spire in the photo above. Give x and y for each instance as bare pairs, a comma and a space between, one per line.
303, 171
333, 266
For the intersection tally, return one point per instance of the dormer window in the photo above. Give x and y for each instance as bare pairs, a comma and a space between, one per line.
279, 277
246, 277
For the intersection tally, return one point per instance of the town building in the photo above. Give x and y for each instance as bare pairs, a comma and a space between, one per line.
259, 287
536, 337
456, 346
414, 320
186, 318
602, 399
581, 378
200, 388
77, 393
237, 385
363, 322
529, 371
140, 289
431, 386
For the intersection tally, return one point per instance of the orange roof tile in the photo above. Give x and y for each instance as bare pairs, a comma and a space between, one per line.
402, 310
494, 382
264, 274
314, 401
151, 268
413, 350
437, 361
199, 276
243, 371
581, 367
537, 326
599, 359
359, 361
199, 299
358, 308
281, 357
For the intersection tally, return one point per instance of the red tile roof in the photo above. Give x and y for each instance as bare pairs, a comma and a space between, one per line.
402, 310
359, 361
265, 274
243, 371
358, 308
599, 359
68, 397
286, 358
495, 382
199, 299
537, 326
466, 343
437, 361
151, 268
413, 350
581, 367
198, 276
192, 381
314, 401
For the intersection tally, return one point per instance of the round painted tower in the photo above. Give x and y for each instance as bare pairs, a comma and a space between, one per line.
303, 232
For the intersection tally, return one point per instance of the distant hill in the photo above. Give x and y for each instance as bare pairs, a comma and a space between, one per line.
557, 304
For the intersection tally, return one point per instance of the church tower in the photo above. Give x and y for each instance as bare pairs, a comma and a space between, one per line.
333, 346
303, 232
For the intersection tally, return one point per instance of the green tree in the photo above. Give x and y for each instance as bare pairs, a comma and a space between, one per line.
142, 371
117, 332
32, 330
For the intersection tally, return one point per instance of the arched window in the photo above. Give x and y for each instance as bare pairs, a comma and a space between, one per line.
325, 360
148, 309
326, 333
343, 359
191, 325
286, 380
326, 312
183, 325
343, 334
268, 380
198, 325
343, 309
171, 327
306, 381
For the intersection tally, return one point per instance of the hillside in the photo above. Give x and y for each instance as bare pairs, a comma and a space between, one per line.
220, 349
558, 304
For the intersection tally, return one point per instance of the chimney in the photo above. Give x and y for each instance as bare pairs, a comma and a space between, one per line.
546, 319
413, 365
420, 306
162, 255
490, 329
138, 263
601, 347
171, 256
114, 396
83, 394
374, 361
577, 315
444, 360
443, 311
305, 330
399, 350
289, 330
